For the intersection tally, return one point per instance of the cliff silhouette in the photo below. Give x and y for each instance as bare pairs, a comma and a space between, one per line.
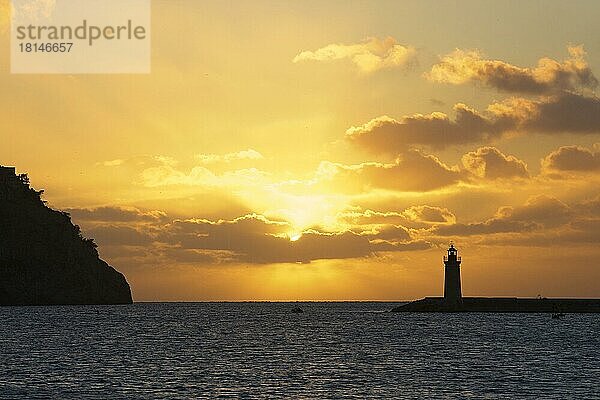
44, 258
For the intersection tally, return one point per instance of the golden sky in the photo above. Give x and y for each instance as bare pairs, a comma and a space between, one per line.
330, 150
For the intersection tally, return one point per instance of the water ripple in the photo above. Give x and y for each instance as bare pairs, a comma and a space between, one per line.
262, 350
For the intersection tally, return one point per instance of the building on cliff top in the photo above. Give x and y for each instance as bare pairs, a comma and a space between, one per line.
7, 172
9, 175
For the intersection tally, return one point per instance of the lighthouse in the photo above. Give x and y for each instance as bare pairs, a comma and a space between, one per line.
452, 291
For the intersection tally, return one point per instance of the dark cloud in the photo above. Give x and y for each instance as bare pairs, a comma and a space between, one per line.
568, 112
411, 171
114, 213
589, 207
252, 238
550, 76
583, 231
193, 256
491, 163
542, 221
573, 159
430, 214
115, 235
414, 217
492, 225
577, 233
255, 239
544, 210
437, 130
539, 212
562, 113
390, 233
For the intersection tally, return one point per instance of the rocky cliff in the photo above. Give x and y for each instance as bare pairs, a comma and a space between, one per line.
44, 259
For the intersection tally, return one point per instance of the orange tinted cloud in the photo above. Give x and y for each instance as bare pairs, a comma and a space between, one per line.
369, 56
550, 76
252, 238
114, 213
539, 212
491, 163
572, 159
248, 154
566, 112
411, 171
256, 239
437, 130
413, 217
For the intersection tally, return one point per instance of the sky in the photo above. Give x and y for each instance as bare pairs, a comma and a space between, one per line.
330, 150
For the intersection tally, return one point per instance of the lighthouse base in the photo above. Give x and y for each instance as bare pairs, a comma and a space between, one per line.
502, 305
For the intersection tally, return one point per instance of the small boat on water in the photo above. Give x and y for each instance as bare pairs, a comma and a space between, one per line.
297, 310
556, 313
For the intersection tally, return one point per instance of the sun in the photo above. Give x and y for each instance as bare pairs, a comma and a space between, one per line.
294, 236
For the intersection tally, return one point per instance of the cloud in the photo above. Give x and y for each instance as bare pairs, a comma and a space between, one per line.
575, 234
116, 235
492, 225
540, 218
583, 231
491, 163
437, 130
114, 214
550, 76
256, 239
555, 223
140, 161
539, 212
166, 175
544, 210
416, 171
589, 207
371, 55
414, 217
430, 214
572, 159
389, 233
566, 112
193, 256
369, 217
251, 238
248, 154
411, 171
112, 163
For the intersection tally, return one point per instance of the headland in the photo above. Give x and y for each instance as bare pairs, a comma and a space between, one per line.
44, 258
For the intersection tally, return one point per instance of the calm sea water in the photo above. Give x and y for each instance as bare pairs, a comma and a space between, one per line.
260, 350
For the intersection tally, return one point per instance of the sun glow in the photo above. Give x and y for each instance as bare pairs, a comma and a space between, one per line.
294, 236
308, 211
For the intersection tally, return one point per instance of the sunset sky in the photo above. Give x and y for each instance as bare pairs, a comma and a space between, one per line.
330, 150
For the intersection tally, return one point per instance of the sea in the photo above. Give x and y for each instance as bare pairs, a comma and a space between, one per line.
333, 350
